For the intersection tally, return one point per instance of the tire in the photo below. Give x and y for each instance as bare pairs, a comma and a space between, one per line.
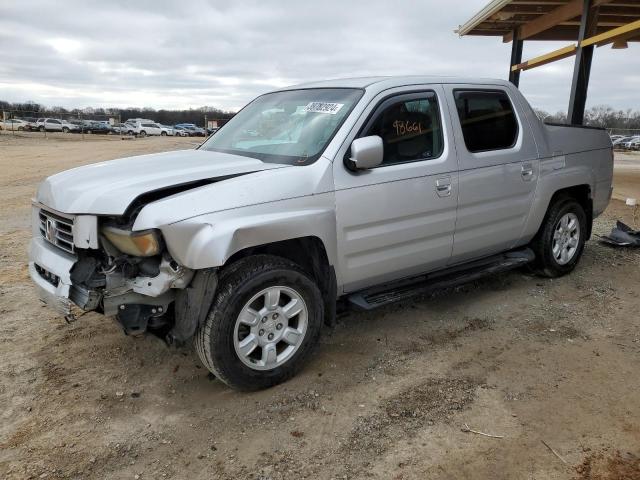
558, 252
21, 129
41, 129
143, 133
163, 134
242, 285
65, 130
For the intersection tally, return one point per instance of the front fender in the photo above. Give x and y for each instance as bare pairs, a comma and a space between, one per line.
209, 240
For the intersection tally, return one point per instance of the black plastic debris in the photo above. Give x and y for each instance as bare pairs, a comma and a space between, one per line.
622, 236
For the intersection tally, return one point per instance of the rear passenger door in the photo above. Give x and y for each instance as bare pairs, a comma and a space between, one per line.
398, 219
498, 170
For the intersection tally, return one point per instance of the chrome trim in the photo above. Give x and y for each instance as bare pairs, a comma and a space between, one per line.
56, 228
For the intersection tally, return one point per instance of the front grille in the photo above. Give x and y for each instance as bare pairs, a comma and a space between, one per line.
57, 230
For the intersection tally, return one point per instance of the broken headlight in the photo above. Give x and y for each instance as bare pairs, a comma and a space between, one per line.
144, 243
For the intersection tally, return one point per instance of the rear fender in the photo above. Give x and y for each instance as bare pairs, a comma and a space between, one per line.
558, 174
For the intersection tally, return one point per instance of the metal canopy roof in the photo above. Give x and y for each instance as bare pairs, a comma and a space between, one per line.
548, 19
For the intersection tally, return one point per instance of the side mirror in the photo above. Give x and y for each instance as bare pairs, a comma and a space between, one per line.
367, 152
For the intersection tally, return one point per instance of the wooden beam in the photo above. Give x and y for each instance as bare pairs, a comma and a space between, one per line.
582, 63
558, 54
628, 30
516, 58
554, 17
563, 33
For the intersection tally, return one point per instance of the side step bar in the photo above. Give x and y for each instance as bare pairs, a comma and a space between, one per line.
385, 294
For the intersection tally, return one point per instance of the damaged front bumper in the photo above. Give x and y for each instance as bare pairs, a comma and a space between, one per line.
50, 270
67, 266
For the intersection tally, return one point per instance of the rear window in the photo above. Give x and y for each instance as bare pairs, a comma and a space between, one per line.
487, 119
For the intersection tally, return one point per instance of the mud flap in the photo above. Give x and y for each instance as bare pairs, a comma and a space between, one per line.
192, 305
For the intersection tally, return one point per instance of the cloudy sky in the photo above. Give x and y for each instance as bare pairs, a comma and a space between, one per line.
172, 54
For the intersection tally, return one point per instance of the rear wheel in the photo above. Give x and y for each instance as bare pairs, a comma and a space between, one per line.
263, 325
65, 130
164, 134
41, 129
560, 243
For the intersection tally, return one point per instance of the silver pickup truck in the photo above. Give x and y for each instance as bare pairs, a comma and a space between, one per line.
360, 191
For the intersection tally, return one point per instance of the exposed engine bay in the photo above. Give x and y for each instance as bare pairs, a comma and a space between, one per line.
136, 289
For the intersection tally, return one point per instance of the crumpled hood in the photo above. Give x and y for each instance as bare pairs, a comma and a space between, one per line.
107, 188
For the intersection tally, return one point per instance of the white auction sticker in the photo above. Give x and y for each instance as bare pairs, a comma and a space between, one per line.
323, 107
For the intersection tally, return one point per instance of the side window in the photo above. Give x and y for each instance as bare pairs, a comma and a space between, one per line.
487, 119
410, 128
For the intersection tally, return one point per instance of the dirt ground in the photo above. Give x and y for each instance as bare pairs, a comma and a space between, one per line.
549, 366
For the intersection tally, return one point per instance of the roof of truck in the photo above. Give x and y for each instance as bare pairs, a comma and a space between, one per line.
393, 81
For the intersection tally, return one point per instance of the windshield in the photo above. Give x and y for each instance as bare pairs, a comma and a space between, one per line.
292, 127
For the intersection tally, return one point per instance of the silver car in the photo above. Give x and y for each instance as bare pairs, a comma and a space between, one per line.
56, 125
368, 190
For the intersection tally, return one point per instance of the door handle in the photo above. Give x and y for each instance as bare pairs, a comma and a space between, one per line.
527, 171
443, 187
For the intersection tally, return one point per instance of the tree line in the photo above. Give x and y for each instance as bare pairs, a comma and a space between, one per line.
166, 117
600, 116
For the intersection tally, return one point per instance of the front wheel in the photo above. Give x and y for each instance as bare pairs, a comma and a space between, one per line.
263, 325
560, 242
65, 130
164, 134
143, 133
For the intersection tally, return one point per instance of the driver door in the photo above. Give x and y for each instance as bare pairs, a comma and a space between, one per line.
398, 219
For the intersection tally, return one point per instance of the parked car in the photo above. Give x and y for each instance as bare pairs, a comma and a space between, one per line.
633, 144
617, 142
31, 122
367, 190
144, 128
166, 130
14, 124
181, 131
211, 131
130, 128
56, 125
118, 129
94, 127
193, 129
